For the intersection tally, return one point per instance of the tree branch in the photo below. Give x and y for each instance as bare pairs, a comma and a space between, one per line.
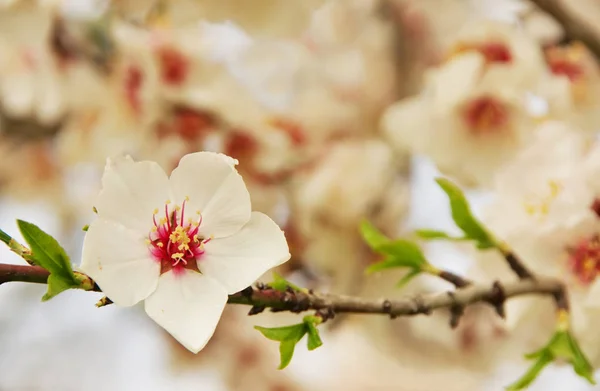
516, 265
33, 274
298, 301
454, 279
575, 29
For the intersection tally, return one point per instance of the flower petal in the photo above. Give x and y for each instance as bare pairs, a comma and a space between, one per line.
118, 259
593, 296
131, 191
215, 188
239, 260
188, 305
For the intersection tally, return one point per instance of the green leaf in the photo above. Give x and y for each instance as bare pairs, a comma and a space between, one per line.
580, 363
432, 234
286, 352
388, 263
281, 284
399, 253
565, 346
288, 337
562, 346
463, 218
406, 252
408, 278
372, 236
57, 285
48, 253
314, 339
282, 333
532, 373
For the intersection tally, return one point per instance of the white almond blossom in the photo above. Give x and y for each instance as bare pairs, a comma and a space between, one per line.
467, 123
546, 210
573, 88
509, 53
206, 245
30, 80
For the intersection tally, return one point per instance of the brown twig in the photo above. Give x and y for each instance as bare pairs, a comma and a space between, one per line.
454, 279
574, 28
298, 301
33, 274
516, 265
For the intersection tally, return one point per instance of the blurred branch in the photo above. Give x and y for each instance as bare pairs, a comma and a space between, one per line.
516, 265
299, 301
575, 29
454, 279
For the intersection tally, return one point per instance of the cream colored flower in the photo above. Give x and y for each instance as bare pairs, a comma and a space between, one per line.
467, 123
510, 55
181, 243
573, 87
30, 80
546, 209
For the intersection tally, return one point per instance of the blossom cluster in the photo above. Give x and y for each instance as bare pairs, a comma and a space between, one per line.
318, 106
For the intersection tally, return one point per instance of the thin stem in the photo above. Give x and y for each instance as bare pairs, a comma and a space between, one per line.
516, 265
454, 279
295, 301
4, 237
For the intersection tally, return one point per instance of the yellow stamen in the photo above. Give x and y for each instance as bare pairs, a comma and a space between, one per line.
589, 265
555, 188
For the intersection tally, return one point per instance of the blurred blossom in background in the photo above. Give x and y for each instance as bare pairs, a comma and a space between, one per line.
337, 110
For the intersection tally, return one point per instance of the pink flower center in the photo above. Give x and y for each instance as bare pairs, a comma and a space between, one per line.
567, 61
563, 67
494, 52
584, 259
174, 66
175, 242
484, 114
133, 84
